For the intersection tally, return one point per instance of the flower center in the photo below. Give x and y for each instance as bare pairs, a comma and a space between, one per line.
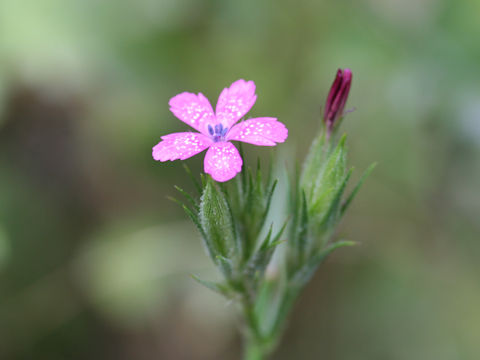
217, 132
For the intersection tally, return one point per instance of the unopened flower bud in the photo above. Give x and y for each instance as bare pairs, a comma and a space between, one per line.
337, 97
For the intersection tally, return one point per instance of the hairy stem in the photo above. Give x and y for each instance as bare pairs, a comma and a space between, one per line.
254, 345
253, 350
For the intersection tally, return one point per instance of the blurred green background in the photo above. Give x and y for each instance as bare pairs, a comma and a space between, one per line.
94, 260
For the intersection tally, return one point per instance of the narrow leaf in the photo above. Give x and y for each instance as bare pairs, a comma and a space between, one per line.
306, 273
268, 202
194, 180
196, 222
302, 234
189, 197
357, 187
219, 288
175, 200
276, 240
266, 241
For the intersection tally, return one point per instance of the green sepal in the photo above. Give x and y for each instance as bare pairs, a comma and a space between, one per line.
302, 232
203, 181
314, 161
331, 216
216, 221
327, 180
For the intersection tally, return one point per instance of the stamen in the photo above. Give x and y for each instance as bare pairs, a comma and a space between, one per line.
217, 132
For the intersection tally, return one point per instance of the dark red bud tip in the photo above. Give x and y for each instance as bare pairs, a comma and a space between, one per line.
337, 98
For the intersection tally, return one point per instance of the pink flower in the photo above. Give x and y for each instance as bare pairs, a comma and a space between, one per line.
217, 129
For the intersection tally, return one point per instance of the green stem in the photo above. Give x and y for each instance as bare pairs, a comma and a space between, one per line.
258, 345
287, 303
253, 350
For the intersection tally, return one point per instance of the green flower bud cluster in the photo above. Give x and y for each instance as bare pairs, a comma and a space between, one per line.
230, 220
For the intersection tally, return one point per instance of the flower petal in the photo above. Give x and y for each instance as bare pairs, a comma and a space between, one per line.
223, 161
234, 102
259, 131
180, 146
194, 110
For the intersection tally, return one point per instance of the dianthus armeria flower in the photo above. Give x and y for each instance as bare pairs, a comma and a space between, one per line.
337, 98
217, 129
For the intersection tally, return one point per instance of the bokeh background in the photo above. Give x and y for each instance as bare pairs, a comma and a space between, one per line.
95, 261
